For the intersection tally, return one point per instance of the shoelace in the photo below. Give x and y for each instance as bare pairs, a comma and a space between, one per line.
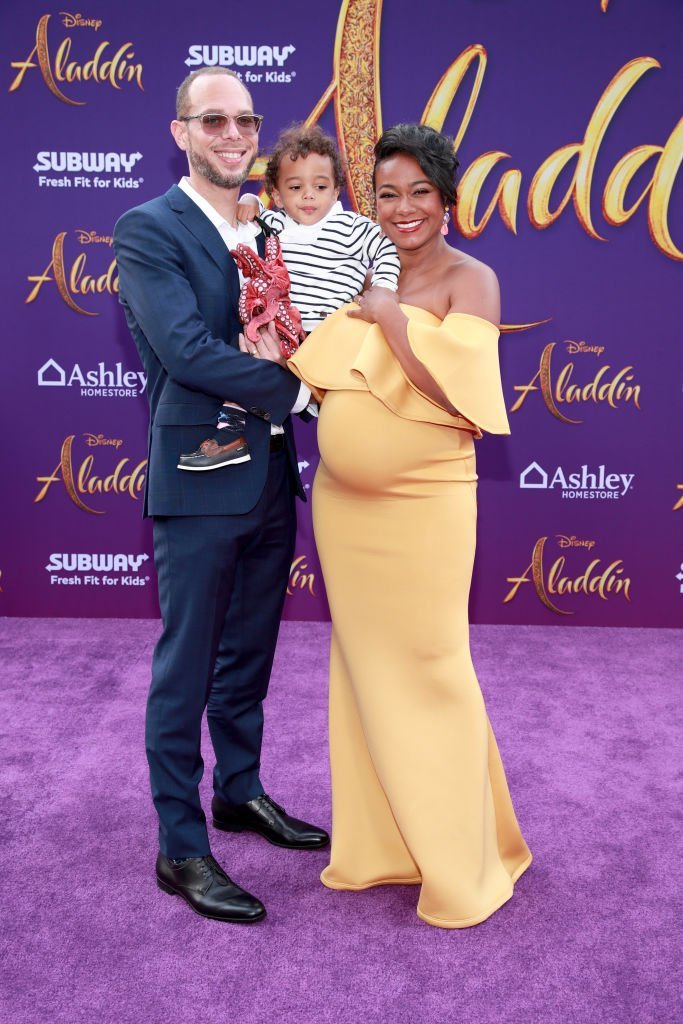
212, 870
269, 803
269, 809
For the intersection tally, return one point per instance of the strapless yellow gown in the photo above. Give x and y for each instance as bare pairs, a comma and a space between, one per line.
419, 794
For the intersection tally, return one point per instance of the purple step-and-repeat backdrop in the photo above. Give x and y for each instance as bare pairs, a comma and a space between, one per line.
567, 118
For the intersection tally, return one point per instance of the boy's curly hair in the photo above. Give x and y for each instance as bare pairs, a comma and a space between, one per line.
298, 141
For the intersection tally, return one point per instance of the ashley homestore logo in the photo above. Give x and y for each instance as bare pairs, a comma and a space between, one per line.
96, 382
582, 483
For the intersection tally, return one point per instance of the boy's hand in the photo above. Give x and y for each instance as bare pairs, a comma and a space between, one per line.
247, 208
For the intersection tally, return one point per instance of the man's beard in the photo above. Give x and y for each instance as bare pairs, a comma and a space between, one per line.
227, 180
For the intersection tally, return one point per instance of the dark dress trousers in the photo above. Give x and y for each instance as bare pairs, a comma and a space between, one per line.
223, 540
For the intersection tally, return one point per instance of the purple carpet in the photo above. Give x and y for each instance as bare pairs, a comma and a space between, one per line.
586, 721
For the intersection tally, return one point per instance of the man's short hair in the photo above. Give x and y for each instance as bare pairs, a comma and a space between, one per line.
182, 103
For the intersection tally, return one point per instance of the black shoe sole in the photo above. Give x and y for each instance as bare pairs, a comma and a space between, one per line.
213, 917
224, 826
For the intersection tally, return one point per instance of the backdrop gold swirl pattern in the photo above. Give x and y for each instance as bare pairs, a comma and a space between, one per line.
357, 100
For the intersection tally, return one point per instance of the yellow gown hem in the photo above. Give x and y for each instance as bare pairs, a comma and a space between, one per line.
347, 886
417, 880
469, 922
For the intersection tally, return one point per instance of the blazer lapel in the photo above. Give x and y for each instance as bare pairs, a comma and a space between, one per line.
203, 230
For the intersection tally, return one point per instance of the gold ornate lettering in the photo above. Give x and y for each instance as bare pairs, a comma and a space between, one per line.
592, 580
574, 347
439, 103
91, 237
82, 284
543, 375
117, 482
535, 567
586, 152
659, 188
78, 21
613, 391
573, 542
355, 89
64, 471
119, 68
76, 281
86, 482
505, 197
41, 49
299, 577
56, 264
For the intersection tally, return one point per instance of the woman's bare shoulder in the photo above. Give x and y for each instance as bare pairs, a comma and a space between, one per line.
465, 269
473, 287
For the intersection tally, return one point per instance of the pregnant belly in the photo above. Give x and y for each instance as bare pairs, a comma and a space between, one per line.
367, 448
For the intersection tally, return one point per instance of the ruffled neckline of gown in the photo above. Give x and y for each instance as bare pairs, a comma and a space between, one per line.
460, 352
425, 314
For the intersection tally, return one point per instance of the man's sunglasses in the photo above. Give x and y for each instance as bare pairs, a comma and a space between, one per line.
215, 124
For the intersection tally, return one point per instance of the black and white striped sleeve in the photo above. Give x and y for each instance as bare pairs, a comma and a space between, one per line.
382, 254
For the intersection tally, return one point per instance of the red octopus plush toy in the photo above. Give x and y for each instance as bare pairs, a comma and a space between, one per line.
264, 297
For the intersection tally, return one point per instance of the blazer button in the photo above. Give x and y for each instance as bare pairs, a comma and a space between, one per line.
261, 413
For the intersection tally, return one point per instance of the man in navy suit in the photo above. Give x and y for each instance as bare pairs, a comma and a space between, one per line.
223, 541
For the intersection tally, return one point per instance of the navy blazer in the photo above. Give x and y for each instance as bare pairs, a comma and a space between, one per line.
179, 287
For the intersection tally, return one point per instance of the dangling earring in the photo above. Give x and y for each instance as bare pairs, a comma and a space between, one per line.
444, 226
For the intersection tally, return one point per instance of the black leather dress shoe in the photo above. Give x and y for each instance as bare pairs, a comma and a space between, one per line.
271, 821
205, 886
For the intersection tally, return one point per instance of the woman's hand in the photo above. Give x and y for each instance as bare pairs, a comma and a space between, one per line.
374, 304
267, 347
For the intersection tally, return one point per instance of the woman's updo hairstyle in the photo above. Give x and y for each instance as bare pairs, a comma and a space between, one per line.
432, 150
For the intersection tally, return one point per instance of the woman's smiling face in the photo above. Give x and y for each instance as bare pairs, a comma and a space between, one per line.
410, 208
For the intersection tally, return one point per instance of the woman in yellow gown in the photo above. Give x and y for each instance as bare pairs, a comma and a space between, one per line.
406, 383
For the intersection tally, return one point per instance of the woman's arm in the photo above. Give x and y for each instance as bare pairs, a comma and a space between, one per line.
381, 306
472, 288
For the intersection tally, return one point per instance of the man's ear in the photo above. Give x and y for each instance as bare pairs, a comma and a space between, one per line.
179, 133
